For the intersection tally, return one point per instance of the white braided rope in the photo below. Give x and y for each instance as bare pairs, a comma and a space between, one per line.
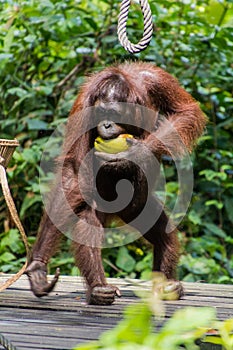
7, 148
148, 26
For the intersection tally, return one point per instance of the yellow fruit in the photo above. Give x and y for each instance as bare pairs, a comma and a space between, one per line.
113, 146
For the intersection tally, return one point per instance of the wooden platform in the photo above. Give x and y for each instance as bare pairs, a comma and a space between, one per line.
63, 320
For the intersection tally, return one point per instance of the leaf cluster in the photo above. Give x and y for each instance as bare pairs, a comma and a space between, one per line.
187, 329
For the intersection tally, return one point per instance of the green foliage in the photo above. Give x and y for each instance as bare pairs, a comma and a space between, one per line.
11, 247
144, 326
181, 331
46, 48
223, 336
133, 260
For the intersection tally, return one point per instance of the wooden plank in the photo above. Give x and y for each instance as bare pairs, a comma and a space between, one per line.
62, 320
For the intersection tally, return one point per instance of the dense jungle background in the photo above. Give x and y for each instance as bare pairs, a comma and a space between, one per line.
46, 49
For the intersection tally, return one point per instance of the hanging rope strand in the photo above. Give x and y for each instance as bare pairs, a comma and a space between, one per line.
148, 26
6, 150
15, 217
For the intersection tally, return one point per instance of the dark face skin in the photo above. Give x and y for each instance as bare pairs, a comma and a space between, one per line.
107, 129
118, 118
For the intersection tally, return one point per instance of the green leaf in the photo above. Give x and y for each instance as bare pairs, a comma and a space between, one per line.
9, 39
214, 202
125, 261
213, 340
91, 22
90, 346
184, 326
194, 217
214, 229
35, 124
11, 240
134, 328
30, 155
6, 257
211, 175
229, 208
28, 202
18, 92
